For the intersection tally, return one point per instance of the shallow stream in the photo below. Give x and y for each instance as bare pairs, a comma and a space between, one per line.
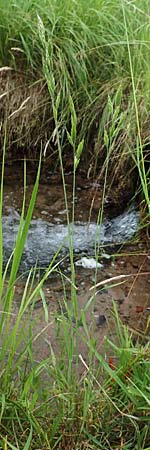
128, 262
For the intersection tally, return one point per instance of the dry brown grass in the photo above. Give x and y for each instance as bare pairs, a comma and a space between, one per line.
25, 108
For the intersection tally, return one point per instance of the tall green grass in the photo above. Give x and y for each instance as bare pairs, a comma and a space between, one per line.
87, 50
95, 60
65, 400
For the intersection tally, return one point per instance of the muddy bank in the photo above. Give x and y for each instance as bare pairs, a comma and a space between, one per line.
26, 109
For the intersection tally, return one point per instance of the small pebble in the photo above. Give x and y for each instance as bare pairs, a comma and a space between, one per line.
101, 320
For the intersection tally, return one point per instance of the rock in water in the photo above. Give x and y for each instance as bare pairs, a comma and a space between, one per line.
45, 239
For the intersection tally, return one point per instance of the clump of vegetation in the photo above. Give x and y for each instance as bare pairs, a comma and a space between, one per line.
53, 404
87, 65
65, 400
87, 52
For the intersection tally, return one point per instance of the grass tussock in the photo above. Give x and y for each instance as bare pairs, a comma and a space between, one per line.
49, 405
88, 52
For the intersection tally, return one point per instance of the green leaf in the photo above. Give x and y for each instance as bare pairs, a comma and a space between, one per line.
106, 139
41, 30
70, 139
44, 305
3, 406
118, 96
27, 445
78, 153
58, 101
110, 105
1, 210
73, 129
55, 113
20, 243
73, 120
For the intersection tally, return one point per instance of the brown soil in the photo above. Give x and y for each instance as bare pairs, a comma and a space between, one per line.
131, 295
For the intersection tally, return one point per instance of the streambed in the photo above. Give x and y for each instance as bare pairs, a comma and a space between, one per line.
45, 239
130, 293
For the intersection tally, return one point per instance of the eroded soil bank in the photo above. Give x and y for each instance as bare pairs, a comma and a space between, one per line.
27, 125
132, 261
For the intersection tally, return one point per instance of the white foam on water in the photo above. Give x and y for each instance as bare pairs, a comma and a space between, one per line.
88, 263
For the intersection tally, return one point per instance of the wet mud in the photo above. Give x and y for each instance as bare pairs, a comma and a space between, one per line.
130, 294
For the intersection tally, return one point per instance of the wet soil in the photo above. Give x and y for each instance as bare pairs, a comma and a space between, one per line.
50, 204
131, 293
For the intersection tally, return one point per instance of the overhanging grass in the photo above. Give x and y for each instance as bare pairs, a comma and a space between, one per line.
89, 52
87, 44
86, 48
